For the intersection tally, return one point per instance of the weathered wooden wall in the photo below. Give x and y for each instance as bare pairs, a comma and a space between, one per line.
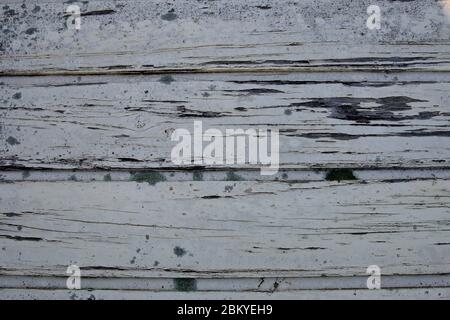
86, 176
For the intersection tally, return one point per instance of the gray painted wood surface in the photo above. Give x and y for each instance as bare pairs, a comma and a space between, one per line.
137, 36
86, 176
351, 120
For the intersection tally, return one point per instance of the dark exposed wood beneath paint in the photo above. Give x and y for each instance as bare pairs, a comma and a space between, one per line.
357, 121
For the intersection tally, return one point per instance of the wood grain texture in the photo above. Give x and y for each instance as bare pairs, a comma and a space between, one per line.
85, 171
394, 294
210, 36
352, 120
230, 285
225, 229
44, 287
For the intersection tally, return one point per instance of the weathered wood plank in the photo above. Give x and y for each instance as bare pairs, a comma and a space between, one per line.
387, 175
394, 294
342, 96
237, 285
210, 36
346, 120
225, 229
39, 287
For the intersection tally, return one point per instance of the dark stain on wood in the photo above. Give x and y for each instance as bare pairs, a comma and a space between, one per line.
152, 178
179, 252
340, 175
185, 284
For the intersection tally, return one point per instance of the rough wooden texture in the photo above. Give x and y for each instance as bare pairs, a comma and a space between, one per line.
226, 35
86, 177
352, 120
225, 229
397, 294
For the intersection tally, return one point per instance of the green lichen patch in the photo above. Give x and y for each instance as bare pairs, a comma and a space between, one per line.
12, 141
152, 178
340, 175
167, 79
107, 178
231, 176
179, 252
17, 96
169, 16
185, 285
197, 176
